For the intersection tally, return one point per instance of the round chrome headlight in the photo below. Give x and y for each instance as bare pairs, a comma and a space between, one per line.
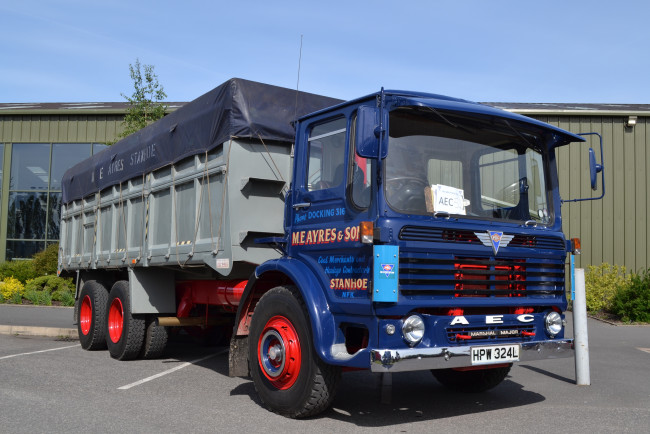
553, 323
413, 329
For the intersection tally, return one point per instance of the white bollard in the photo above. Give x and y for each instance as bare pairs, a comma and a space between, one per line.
580, 334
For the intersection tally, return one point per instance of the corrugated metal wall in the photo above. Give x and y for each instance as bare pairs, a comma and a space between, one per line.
615, 229
56, 128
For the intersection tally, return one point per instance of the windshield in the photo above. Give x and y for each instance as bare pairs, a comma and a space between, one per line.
461, 164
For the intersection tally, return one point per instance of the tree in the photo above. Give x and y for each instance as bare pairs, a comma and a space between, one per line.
145, 105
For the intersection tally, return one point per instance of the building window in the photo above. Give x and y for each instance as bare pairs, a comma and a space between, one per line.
2, 161
35, 193
30, 166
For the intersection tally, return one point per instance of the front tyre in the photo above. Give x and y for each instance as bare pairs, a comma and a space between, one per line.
125, 333
472, 381
289, 377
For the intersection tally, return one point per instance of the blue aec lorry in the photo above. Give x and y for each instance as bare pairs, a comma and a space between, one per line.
396, 232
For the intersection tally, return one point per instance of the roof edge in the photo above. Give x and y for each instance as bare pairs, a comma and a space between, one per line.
577, 112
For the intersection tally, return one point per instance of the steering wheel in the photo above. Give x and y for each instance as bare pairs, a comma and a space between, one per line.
406, 193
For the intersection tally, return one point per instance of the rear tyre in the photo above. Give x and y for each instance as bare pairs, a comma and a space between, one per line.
91, 316
289, 377
125, 333
473, 381
155, 340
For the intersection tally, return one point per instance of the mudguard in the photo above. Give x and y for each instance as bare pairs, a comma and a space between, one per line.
323, 325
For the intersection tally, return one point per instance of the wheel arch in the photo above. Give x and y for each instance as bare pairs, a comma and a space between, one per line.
283, 271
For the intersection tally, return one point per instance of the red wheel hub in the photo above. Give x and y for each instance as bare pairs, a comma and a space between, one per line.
86, 315
115, 320
278, 352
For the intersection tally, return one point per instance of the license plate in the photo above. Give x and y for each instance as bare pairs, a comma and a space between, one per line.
495, 354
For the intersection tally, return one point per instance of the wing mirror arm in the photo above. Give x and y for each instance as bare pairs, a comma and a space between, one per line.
594, 169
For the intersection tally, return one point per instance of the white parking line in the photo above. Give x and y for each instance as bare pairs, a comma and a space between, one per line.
169, 371
37, 352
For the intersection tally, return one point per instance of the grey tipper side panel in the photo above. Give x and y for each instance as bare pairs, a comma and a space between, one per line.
190, 213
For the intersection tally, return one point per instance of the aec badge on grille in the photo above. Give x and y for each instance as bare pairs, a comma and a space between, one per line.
494, 239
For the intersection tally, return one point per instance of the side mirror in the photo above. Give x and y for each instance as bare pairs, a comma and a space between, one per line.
594, 169
367, 136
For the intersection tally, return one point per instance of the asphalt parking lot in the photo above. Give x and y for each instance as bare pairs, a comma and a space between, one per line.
49, 384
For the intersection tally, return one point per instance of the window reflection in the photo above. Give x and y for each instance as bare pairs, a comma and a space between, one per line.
53, 216
18, 249
34, 217
30, 166
26, 219
64, 156
2, 160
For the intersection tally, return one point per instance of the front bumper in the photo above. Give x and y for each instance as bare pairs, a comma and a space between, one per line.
414, 359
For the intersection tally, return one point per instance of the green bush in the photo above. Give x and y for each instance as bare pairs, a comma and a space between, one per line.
36, 280
12, 290
21, 270
51, 284
45, 262
41, 298
602, 282
632, 303
65, 297
44, 289
16, 298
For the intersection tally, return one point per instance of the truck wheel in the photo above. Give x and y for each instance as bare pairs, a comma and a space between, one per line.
473, 381
155, 340
91, 316
289, 377
125, 333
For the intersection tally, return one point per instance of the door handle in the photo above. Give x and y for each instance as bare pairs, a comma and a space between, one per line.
298, 206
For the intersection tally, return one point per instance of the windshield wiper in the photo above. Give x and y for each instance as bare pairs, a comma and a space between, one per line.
521, 136
452, 124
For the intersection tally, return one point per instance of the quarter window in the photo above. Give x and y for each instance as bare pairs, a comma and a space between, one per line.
326, 166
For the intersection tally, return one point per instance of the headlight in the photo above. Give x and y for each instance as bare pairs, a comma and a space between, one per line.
553, 323
413, 329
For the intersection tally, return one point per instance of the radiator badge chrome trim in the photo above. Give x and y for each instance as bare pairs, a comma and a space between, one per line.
494, 239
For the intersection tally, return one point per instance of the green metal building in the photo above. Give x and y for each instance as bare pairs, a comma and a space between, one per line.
615, 229
38, 142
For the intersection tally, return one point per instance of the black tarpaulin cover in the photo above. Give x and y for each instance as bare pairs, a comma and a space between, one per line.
237, 108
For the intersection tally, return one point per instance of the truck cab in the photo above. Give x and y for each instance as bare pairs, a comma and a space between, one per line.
430, 230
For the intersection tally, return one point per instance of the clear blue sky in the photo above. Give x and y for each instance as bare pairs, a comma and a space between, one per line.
508, 51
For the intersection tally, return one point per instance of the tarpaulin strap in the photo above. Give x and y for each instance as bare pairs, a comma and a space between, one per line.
209, 202
98, 222
80, 232
96, 212
279, 174
198, 209
126, 243
178, 261
143, 220
223, 195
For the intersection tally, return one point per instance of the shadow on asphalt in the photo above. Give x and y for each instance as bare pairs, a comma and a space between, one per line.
416, 396
549, 374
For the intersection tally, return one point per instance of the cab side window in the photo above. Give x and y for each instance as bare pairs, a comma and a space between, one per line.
326, 167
